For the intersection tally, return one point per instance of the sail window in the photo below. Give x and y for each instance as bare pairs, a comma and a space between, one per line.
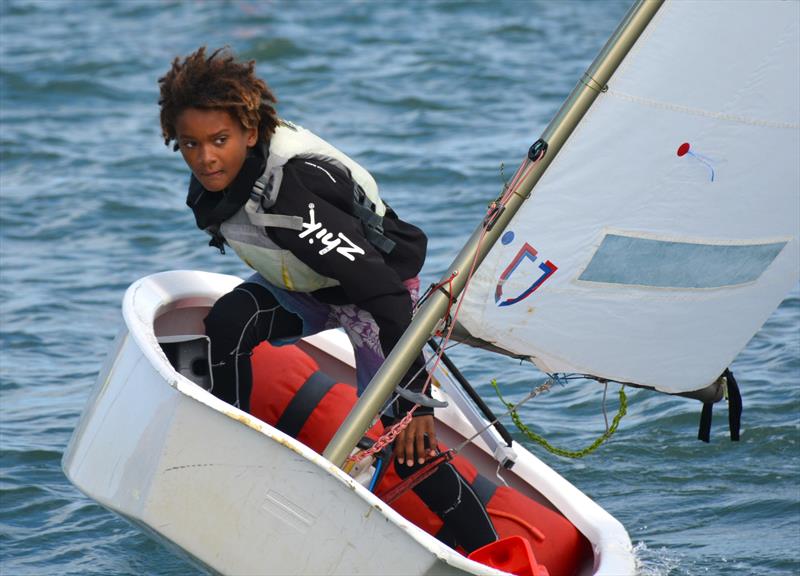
640, 261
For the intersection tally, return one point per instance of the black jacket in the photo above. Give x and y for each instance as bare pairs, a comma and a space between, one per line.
371, 280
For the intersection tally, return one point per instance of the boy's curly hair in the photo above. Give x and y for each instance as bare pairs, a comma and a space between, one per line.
216, 82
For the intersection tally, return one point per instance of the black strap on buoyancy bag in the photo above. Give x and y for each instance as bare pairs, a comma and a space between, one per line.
364, 210
734, 409
304, 402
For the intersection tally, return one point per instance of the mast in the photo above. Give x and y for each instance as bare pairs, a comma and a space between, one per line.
591, 84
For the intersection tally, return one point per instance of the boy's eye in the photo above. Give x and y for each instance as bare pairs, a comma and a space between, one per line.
188, 144
221, 139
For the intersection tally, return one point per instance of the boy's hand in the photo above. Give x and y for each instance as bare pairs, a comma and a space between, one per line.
411, 441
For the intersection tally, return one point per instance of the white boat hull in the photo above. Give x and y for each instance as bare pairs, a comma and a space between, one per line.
238, 496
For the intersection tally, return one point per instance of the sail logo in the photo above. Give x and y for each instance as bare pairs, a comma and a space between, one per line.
526, 253
685, 149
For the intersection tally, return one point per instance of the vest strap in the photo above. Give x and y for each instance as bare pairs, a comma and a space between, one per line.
364, 210
378, 240
367, 215
276, 221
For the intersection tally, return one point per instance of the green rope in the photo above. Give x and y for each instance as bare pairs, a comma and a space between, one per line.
512, 410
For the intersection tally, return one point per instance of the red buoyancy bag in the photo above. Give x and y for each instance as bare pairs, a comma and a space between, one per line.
292, 394
554, 540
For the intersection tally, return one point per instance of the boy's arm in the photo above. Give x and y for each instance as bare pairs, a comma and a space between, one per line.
332, 243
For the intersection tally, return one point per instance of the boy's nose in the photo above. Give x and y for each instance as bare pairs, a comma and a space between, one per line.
207, 156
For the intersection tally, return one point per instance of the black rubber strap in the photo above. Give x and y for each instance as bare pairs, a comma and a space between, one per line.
734, 405
734, 411
704, 433
304, 403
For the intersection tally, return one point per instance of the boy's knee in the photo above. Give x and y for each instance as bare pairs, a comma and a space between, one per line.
229, 317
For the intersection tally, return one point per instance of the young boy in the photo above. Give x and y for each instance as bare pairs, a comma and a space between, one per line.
327, 251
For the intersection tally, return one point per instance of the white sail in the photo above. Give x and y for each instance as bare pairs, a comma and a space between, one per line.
665, 232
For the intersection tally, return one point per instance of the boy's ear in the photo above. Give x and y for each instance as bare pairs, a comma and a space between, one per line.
252, 137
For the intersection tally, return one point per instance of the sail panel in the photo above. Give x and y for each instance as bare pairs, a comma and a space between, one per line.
691, 157
637, 261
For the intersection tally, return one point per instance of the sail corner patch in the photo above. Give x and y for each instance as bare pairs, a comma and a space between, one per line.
638, 261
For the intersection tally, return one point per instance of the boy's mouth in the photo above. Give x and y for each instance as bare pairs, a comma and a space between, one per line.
213, 181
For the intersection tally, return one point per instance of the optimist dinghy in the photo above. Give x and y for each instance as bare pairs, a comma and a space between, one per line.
238, 496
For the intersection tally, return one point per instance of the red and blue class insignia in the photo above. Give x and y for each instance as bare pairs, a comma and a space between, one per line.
527, 252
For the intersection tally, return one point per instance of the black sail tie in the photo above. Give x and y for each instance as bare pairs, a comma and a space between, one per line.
734, 410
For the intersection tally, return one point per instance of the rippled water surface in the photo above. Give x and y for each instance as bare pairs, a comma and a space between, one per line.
432, 97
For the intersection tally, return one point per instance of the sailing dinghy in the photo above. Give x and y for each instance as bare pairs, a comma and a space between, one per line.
239, 496
660, 233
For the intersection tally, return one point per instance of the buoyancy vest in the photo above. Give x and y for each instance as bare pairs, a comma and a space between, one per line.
245, 230
291, 393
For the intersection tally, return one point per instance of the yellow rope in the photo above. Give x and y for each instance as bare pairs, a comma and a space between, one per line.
512, 410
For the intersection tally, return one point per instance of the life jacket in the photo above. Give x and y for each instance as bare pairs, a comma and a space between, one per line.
245, 230
291, 393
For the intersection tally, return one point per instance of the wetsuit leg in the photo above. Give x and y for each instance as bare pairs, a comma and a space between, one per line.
237, 323
451, 498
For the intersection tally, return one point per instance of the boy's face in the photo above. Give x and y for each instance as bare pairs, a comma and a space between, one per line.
214, 145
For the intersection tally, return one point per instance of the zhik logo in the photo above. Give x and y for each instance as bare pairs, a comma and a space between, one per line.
330, 242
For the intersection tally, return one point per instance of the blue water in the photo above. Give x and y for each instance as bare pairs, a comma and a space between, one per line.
432, 97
